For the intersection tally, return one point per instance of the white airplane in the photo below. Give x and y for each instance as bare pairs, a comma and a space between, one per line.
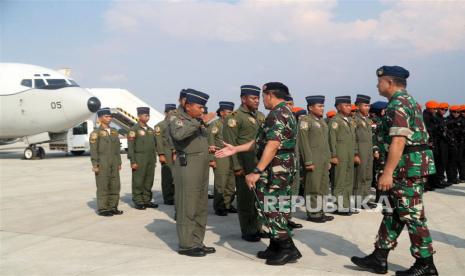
39, 105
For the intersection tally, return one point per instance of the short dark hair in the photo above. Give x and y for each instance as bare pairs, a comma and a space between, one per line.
280, 94
399, 81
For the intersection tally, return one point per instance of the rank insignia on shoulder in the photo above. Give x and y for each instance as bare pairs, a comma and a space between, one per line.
215, 130
252, 120
103, 133
114, 132
334, 125
157, 130
179, 123
303, 125
232, 122
93, 137
363, 124
141, 132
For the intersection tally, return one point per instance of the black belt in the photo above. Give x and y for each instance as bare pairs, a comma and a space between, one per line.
417, 148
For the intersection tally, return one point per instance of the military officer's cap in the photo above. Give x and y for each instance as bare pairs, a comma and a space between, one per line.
169, 107
143, 110
362, 99
316, 99
392, 71
194, 96
104, 111
343, 99
250, 90
275, 86
226, 105
377, 106
182, 94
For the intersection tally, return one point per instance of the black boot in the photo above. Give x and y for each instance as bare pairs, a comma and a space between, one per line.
376, 261
270, 251
421, 267
287, 253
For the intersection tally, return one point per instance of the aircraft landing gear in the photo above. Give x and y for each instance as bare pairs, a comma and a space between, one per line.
34, 152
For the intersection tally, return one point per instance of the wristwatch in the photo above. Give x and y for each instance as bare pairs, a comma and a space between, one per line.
257, 171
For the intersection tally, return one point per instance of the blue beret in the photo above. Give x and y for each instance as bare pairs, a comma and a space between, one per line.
343, 99
376, 106
300, 112
182, 94
227, 105
393, 71
363, 99
250, 90
276, 86
143, 110
317, 99
104, 111
169, 107
194, 96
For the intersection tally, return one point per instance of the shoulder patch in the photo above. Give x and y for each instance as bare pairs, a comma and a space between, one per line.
232, 122
157, 130
179, 122
334, 125
93, 137
141, 132
114, 132
131, 134
303, 125
316, 124
103, 133
252, 120
215, 130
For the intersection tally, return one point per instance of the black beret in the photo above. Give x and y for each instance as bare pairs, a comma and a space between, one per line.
104, 111
194, 96
276, 86
316, 99
343, 99
143, 110
250, 90
363, 99
393, 71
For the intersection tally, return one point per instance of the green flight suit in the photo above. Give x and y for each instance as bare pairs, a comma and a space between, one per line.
314, 148
364, 171
105, 154
343, 146
225, 183
241, 127
190, 137
165, 148
142, 151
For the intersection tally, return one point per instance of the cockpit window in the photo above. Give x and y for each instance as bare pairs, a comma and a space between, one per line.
39, 83
26, 82
57, 82
73, 83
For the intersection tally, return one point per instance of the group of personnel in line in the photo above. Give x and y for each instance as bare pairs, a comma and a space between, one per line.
290, 151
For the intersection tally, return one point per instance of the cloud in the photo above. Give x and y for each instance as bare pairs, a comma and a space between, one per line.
423, 26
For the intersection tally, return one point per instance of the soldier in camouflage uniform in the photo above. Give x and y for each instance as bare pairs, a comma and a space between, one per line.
142, 154
408, 164
344, 154
166, 154
241, 127
106, 164
273, 175
364, 139
225, 183
314, 149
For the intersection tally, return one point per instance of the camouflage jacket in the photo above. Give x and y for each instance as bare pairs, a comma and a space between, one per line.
280, 125
404, 118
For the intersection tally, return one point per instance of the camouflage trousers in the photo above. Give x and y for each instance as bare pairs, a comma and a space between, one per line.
406, 199
274, 204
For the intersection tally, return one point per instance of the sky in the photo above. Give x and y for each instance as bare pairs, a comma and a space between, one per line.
156, 48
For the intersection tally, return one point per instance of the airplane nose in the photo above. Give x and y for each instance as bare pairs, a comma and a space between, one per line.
93, 104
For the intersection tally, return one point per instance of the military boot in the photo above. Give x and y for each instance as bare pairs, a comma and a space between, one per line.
421, 267
270, 251
376, 261
287, 253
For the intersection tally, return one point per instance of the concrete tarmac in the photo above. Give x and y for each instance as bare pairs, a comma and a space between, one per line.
48, 226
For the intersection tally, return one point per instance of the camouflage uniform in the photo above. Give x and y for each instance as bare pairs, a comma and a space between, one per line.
404, 118
280, 125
